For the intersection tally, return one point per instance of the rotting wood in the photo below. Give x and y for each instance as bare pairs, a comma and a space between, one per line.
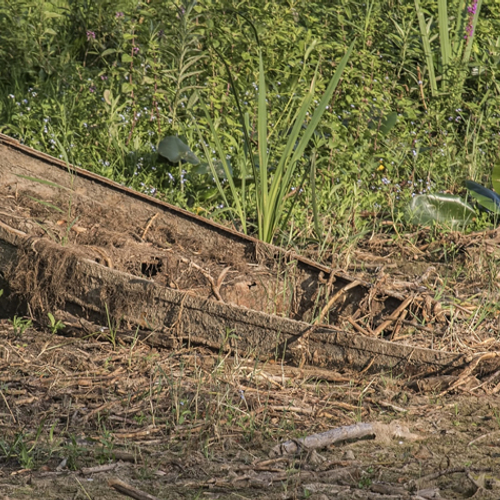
251, 333
17, 159
312, 281
465, 375
332, 301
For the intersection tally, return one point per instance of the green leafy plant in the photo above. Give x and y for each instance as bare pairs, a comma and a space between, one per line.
110, 82
20, 325
23, 447
454, 53
107, 444
54, 325
112, 328
273, 177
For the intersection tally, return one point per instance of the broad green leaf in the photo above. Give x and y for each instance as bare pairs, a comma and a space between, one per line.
108, 97
452, 210
126, 58
107, 52
174, 150
127, 87
495, 177
49, 15
484, 196
388, 123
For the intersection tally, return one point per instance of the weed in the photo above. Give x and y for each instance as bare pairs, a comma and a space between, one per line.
107, 443
496, 415
23, 447
106, 100
73, 451
112, 328
54, 325
366, 478
456, 421
20, 325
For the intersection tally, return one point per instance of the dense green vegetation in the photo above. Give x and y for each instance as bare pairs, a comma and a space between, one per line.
101, 83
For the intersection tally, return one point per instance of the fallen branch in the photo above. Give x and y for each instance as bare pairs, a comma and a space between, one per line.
340, 434
130, 491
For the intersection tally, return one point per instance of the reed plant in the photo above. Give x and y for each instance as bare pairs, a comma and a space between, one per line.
455, 51
273, 169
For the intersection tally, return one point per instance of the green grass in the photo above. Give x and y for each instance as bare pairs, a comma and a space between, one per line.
100, 84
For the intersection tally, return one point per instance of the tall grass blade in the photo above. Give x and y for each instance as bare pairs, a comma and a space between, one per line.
424, 33
41, 181
245, 128
262, 135
306, 137
317, 223
270, 190
458, 40
444, 39
470, 39
239, 202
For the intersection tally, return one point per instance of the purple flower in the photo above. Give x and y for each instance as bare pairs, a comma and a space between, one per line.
119, 14
469, 29
104, 77
136, 50
92, 89
90, 35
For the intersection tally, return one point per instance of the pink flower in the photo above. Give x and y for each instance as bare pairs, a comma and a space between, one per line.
90, 35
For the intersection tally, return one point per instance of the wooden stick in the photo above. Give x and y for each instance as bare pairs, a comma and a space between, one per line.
130, 491
359, 328
332, 301
315, 441
148, 225
394, 316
